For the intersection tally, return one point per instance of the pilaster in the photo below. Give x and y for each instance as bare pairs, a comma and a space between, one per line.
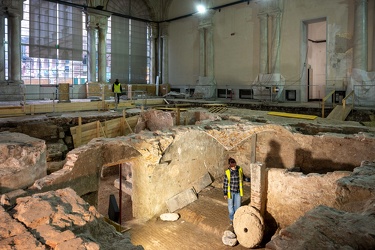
206, 46
164, 36
360, 56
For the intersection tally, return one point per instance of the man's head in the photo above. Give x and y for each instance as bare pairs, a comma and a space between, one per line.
231, 161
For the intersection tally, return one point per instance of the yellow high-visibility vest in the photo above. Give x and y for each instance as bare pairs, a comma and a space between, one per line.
240, 173
117, 88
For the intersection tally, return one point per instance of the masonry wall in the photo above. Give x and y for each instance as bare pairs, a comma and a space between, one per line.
290, 194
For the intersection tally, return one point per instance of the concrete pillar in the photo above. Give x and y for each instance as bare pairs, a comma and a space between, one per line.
102, 58
360, 56
91, 57
153, 36
14, 47
263, 50
164, 36
2, 49
275, 52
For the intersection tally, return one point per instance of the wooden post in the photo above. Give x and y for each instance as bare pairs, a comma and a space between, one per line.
124, 116
178, 117
120, 193
79, 132
97, 128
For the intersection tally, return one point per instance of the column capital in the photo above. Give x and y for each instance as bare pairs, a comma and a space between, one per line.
164, 29
263, 15
12, 7
95, 19
154, 30
205, 20
269, 6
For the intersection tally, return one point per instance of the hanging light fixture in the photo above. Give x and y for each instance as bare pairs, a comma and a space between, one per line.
201, 8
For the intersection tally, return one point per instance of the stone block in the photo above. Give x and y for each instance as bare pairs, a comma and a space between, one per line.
181, 200
22, 158
202, 182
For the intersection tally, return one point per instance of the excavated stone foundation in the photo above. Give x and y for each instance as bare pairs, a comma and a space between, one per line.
303, 170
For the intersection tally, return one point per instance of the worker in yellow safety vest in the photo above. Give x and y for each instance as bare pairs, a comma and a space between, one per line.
233, 187
117, 90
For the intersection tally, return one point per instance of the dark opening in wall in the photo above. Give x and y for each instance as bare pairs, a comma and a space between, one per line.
339, 95
224, 93
291, 95
246, 94
178, 90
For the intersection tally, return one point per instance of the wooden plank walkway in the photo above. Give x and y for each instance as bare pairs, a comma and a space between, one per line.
339, 113
291, 115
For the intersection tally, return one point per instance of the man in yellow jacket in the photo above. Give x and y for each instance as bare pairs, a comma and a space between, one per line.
117, 89
233, 187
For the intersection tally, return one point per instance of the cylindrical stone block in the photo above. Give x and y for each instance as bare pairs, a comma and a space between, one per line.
248, 225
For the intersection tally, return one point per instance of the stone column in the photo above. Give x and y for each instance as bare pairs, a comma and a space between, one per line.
153, 37
97, 20
91, 50
263, 50
14, 47
102, 47
360, 56
13, 88
275, 52
2, 48
164, 36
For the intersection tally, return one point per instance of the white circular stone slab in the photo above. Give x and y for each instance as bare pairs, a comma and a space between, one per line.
169, 216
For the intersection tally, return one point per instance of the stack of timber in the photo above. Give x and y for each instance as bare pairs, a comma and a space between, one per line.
11, 111
60, 107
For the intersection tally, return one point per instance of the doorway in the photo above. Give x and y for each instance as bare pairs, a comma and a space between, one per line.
315, 33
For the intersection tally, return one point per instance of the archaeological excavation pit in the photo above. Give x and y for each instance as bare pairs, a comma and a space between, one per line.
174, 170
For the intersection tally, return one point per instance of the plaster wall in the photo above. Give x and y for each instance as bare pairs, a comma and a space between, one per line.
183, 59
236, 41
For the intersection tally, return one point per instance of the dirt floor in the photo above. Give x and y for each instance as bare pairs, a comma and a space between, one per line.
200, 226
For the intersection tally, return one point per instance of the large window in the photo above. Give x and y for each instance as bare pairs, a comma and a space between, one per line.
54, 44
129, 53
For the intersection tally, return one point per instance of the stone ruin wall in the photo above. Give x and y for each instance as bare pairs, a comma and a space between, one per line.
291, 194
166, 163
22, 161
